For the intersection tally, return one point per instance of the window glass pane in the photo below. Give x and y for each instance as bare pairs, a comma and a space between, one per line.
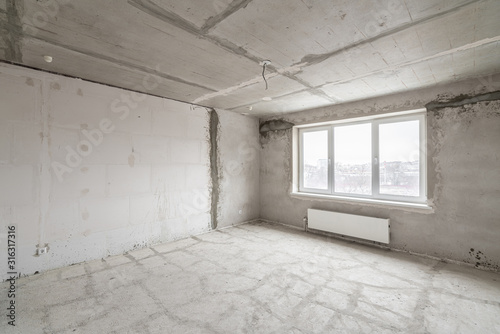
399, 158
353, 155
315, 169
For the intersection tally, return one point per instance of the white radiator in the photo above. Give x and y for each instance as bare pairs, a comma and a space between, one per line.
362, 227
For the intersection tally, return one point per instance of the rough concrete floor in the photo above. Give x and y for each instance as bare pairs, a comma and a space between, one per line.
259, 278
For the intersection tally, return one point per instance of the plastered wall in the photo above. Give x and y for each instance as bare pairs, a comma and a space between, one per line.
463, 175
240, 161
90, 170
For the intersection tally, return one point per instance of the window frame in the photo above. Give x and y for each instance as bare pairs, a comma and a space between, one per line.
301, 162
375, 121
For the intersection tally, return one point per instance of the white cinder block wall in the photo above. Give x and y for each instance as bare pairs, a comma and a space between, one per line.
92, 170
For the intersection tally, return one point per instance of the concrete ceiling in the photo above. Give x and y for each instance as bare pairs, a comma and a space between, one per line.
210, 52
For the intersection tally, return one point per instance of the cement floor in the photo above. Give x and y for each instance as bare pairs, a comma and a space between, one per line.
259, 278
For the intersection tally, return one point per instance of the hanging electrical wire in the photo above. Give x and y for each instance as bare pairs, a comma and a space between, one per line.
263, 74
264, 65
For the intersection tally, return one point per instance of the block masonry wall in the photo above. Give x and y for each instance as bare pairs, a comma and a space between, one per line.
90, 170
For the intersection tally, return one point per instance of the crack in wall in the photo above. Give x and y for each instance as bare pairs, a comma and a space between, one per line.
214, 127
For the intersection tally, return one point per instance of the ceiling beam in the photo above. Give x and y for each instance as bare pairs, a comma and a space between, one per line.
120, 62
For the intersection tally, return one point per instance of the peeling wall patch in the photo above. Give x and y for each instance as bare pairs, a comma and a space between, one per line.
461, 100
275, 125
214, 165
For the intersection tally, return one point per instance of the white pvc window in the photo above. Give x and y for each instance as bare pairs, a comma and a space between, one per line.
380, 158
315, 159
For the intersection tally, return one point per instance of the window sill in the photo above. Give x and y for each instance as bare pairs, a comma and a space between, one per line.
406, 206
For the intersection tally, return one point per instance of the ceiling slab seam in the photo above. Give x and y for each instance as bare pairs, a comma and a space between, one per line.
114, 61
307, 60
310, 60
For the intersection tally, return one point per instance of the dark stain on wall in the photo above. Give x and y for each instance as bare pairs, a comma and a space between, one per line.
275, 125
481, 261
11, 33
461, 100
272, 129
214, 127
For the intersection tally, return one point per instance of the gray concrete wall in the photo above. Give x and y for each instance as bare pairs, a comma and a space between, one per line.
463, 181
92, 170
239, 169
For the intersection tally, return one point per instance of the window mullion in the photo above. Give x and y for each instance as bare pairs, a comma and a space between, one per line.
301, 159
331, 160
375, 160
422, 157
